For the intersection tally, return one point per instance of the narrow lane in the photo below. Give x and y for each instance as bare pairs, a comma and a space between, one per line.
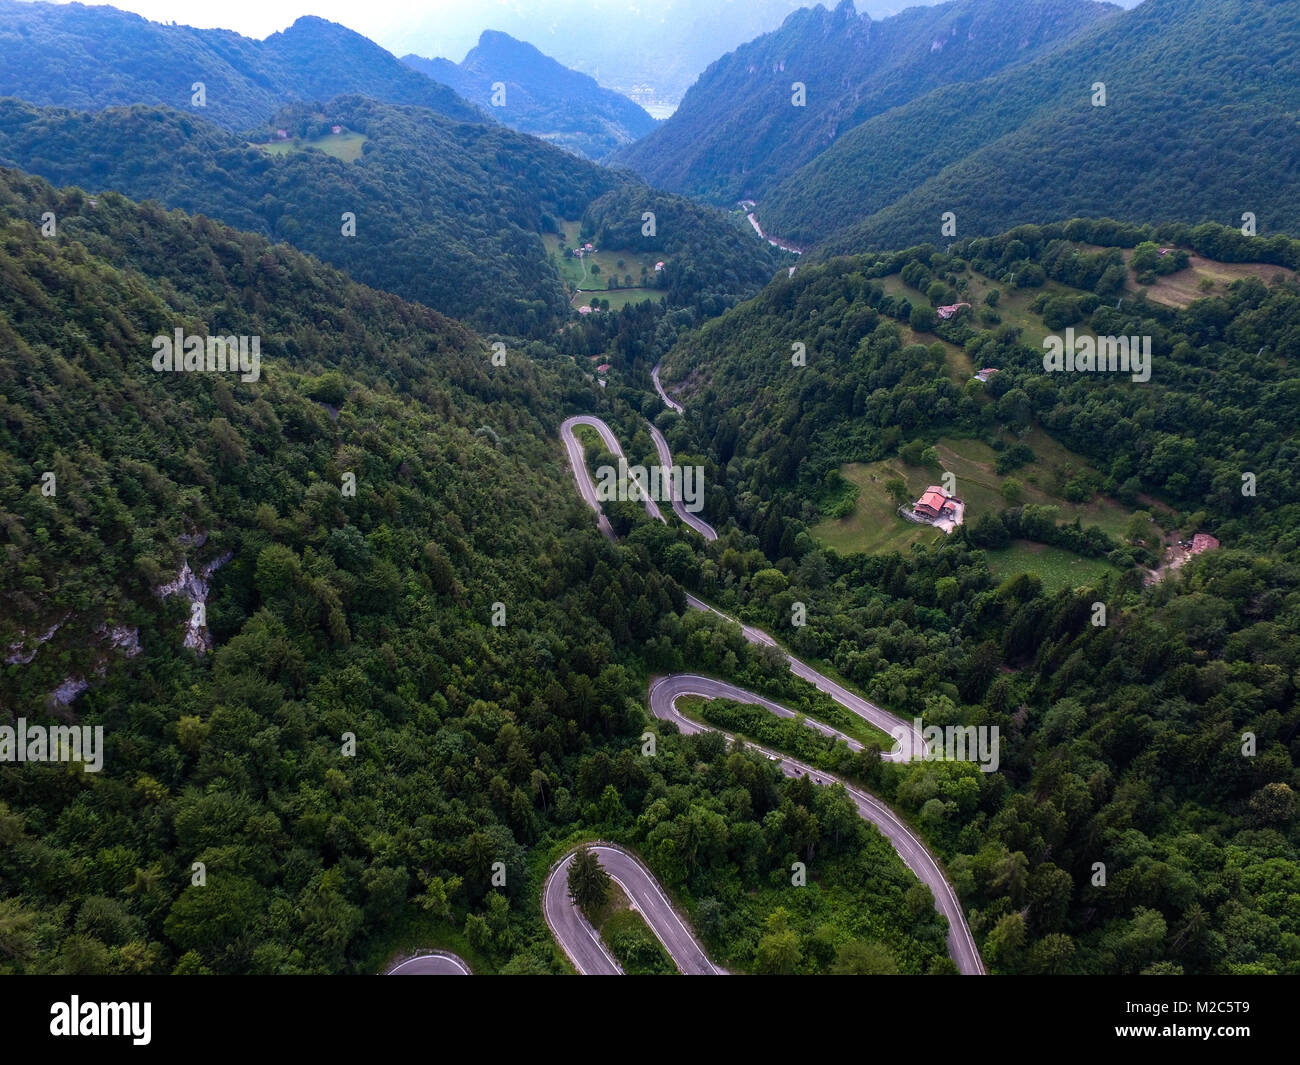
582, 944
664, 693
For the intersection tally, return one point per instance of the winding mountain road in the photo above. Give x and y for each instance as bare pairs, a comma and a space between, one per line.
664, 693
669, 402
907, 737
436, 963
578, 463
580, 941
679, 507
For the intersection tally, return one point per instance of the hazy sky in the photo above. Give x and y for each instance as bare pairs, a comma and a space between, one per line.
430, 27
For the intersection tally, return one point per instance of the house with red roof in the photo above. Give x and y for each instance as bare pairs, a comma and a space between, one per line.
934, 505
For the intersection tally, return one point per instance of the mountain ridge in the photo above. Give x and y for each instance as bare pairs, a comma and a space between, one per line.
92, 57
738, 130
541, 95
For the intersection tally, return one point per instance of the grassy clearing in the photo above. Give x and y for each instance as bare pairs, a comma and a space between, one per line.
978, 483
620, 298
1054, 566
1202, 278
874, 526
345, 146
578, 274
1012, 308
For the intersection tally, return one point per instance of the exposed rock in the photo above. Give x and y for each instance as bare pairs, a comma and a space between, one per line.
66, 692
18, 657
194, 586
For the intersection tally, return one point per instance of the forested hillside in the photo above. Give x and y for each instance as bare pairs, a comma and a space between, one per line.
445, 213
879, 370
1185, 82
738, 130
70, 55
366, 668
458, 618
1161, 743
540, 96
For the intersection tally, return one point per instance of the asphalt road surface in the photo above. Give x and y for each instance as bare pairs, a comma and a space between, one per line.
438, 963
578, 463
679, 507
664, 693
669, 402
869, 712
666, 690
582, 944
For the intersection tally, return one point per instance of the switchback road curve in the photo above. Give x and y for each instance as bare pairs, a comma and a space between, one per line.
669, 402
578, 462
580, 941
435, 963
679, 508
665, 691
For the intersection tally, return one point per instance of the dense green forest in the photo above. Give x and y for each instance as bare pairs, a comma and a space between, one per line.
869, 387
446, 213
369, 615
1124, 742
418, 663
738, 131
540, 96
1185, 82
70, 55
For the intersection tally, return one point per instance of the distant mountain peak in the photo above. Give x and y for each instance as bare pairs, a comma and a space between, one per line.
541, 95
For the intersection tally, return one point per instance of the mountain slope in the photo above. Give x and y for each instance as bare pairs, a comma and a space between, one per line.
68, 55
413, 687
651, 53
1186, 81
365, 614
446, 213
542, 97
737, 131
